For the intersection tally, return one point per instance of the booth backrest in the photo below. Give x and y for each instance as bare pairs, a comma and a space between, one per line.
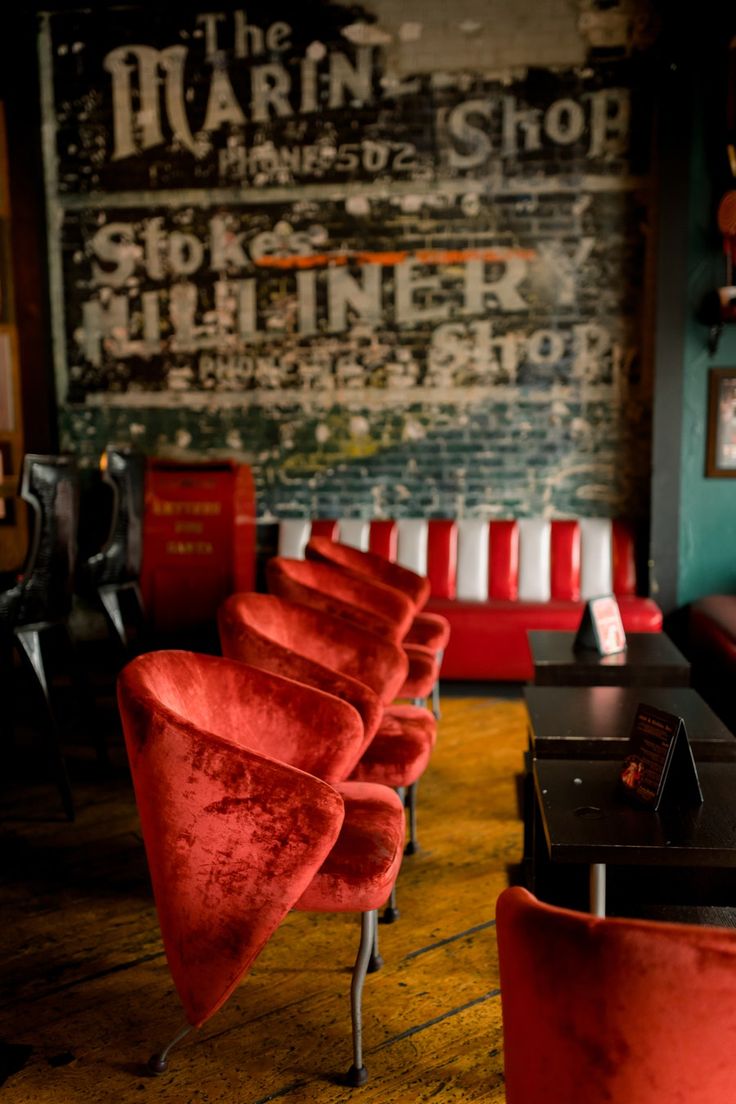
525, 559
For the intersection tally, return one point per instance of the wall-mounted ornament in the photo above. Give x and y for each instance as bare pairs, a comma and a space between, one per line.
721, 441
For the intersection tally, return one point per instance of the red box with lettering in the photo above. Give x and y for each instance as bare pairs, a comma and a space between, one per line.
198, 539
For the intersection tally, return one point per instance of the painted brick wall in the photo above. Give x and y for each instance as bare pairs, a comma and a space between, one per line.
395, 258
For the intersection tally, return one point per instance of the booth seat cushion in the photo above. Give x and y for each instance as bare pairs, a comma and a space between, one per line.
495, 580
488, 640
714, 618
711, 648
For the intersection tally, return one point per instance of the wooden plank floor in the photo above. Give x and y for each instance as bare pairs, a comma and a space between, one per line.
86, 994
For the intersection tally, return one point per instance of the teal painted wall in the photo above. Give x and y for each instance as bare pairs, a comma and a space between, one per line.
707, 562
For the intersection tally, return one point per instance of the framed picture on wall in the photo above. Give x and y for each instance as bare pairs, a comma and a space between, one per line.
721, 439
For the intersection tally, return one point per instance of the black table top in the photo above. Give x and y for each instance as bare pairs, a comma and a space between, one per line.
585, 820
595, 721
650, 659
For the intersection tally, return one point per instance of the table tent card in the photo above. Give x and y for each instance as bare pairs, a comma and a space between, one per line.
601, 627
660, 761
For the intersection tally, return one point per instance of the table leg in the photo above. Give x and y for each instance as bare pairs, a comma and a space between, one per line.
598, 889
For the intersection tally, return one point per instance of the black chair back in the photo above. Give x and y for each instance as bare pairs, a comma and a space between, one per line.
50, 485
119, 559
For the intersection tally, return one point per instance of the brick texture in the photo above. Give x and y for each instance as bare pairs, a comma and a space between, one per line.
391, 291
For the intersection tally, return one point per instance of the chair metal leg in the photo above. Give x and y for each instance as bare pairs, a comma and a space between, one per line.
158, 1063
391, 914
421, 702
436, 688
29, 641
357, 1074
411, 804
375, 962
109, 595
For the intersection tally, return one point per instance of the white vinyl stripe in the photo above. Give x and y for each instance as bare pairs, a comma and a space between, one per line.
596, 557
472, 560
355, 532
534, 560
413, 539
293, 536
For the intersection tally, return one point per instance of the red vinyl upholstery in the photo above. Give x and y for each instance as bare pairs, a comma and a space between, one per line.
605, 1011
503, 563
493, 581
711, 647
488, 640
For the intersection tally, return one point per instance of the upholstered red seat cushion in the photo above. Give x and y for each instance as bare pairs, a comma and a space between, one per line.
373, 830
401, 715
423, 672
397, 755
431, 630
488, 639
716, 612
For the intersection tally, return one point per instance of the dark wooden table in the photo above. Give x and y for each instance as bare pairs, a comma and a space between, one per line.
594, 722
584, 820
650, 659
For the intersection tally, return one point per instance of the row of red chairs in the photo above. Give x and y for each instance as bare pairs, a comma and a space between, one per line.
275, 777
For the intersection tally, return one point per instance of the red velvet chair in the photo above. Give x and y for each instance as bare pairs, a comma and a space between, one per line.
605, 1011
371, 566
429, 630
238, 829
373, 606
335, 656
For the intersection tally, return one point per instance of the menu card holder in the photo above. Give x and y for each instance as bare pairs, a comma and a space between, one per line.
660, 761
601, 627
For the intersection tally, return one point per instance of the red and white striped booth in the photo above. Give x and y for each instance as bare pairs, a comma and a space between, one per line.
494, 580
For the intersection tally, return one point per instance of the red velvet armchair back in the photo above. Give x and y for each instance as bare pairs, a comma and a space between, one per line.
604, 1011
371, 566
233, 837
269, 631
248, 634
371, 605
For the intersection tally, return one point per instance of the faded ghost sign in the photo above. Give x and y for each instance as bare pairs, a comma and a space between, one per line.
248, 206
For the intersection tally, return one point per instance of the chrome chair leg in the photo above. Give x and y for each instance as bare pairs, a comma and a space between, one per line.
357, 1074
436, 687
391, 913
158, 1063
412, 845
375, 962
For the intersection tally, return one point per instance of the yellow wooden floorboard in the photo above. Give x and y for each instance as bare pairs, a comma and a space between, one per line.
85, 983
